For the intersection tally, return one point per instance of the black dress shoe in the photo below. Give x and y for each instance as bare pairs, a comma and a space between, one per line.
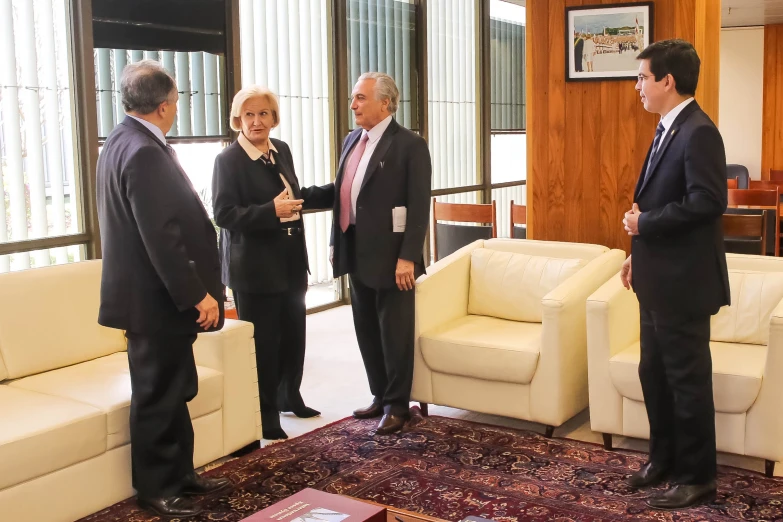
373, 410
195, 484
303, 412
273, 433
170, 507
650, 475
685, 495
390, 424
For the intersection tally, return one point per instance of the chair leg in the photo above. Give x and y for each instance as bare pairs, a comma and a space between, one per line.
424, 407
550, 430
769, 468
607, 441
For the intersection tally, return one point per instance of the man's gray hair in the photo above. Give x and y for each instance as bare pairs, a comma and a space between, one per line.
384, 88
145, 85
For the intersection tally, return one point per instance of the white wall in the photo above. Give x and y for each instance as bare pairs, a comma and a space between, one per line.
741, 92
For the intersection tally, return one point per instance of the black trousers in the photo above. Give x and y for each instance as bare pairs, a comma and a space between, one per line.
280, 327
163, 380
384, 322
676, 375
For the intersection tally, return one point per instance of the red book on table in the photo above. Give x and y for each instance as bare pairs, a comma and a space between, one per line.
311, 505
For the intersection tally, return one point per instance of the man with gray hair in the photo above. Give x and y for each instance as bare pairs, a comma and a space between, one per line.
160, 284
380, 222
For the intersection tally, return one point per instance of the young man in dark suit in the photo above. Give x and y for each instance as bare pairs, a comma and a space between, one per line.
160, 283
381, 212
678, 270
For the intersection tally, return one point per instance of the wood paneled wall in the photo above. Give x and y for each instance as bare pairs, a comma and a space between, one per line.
772, 133
587, 140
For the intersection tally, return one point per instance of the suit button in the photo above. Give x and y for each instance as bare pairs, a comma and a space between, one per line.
358, 208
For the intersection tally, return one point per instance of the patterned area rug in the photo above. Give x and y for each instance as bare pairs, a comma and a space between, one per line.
451, 468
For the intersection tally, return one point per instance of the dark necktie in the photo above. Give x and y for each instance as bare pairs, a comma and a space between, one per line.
656, 144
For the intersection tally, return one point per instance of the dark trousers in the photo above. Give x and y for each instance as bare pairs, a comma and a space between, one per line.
676, 375
279, 323
384, 322
163, 380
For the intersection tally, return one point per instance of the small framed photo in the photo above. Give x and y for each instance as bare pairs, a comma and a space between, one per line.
603, 41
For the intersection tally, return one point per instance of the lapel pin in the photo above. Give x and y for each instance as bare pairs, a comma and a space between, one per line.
673, 131
381, 164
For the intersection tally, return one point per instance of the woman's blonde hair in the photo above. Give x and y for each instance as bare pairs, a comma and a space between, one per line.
248, 93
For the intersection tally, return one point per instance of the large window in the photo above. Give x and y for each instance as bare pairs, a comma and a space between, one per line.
38, 177
286, 47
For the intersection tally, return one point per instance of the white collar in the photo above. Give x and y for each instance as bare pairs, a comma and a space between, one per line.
376, 132
668, 120
154, 129
251, 149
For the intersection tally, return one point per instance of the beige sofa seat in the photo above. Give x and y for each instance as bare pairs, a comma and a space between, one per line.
737, 371
484, 348
500, 327
41, 433
104, 383
747, 361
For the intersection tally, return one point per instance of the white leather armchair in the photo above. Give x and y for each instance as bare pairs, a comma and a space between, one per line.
747, 361
500, 328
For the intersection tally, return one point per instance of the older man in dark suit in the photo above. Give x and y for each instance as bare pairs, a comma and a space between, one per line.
381, 212
678, 270
160, 283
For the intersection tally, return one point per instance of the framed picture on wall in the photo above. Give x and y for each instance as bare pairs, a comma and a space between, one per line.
602, 41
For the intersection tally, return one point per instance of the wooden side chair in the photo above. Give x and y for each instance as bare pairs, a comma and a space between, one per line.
775, 175
518, 225
449, 237
742, 232
762, 200
732, 183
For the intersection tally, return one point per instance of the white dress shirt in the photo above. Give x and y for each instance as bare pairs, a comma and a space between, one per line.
668, 120
154, 129
374, 136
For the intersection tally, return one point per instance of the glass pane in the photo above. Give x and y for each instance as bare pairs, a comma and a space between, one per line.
38, 177
273, 36
453, 123
201, 107
198, 160
382, 38
503, 198
39, 258
509, 157
507, 65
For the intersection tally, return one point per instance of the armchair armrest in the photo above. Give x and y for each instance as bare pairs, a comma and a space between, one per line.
764, 431
561, 374
232, 352
612, 326
441, 296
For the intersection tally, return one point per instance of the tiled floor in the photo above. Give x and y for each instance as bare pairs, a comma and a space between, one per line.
335, 383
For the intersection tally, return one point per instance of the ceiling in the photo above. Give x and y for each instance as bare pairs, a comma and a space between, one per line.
738, 13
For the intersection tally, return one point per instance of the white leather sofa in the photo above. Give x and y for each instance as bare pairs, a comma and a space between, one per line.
500, 328
65, 396
747, 361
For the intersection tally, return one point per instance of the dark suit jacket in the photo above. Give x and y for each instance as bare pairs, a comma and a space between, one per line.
398, 175
160, 254
679, 260
251, 240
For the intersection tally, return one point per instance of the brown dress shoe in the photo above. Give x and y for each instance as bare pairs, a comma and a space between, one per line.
373, 410
684, 496
195, 484
170, 507
649, 475
390, 424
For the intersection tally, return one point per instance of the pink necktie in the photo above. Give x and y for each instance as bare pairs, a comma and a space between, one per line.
347, 183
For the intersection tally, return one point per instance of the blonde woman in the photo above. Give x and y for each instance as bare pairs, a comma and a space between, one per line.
257, 203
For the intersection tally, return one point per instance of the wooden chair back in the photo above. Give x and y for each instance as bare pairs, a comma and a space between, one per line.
744, 226
769, 198
462, 213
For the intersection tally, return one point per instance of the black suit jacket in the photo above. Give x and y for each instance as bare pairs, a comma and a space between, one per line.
160, 254
679, 260
251, 240
398, 175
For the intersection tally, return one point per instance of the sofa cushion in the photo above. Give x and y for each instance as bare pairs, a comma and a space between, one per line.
68, 297
484, 348
737, 371
510, 286
753, 297
104, 384
40, 434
